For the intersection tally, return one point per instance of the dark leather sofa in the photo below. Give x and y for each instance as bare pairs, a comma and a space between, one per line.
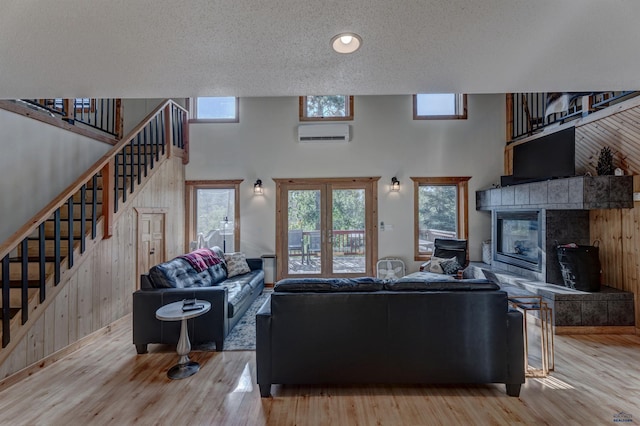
437, 330
229, 297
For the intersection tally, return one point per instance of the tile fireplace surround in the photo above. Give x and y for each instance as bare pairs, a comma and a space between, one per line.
563, 206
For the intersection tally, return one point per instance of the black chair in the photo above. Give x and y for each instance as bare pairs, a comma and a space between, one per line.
296, 243
314, 245
447, 248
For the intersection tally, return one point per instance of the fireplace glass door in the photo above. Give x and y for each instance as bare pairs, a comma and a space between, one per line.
519, 239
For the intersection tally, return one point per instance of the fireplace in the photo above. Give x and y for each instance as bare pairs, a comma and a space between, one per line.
525, 241
529, 220
519, 239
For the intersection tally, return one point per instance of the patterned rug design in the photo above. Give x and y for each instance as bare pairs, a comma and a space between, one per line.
243, 335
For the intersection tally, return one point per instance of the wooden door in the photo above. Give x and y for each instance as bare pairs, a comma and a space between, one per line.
326, 227
151, 238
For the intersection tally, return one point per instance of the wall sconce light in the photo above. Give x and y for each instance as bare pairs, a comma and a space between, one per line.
257, 188
395, 184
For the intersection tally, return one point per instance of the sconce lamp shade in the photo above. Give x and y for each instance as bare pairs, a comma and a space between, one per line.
257, 188
395, 184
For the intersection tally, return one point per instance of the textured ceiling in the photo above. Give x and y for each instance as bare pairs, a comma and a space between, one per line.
161, 48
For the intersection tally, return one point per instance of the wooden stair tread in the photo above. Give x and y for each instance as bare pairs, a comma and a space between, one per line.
18, 284
15, 297
34, 259
12, 313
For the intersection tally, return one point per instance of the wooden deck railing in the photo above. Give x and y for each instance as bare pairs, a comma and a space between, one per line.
527, 112
347, 242
34, 257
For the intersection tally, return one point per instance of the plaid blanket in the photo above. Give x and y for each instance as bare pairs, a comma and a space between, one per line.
202, 259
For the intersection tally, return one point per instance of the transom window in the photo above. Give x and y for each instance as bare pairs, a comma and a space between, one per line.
439, 106
326, 108
217, 109
440, 211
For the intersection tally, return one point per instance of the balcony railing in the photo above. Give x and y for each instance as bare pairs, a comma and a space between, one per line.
529, 113
103, 115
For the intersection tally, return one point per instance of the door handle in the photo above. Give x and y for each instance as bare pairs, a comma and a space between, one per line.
153, 251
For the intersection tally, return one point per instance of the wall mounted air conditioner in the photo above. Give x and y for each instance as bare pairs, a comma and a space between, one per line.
335, 132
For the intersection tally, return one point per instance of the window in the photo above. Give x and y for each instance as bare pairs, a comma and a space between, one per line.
440, 211
217, 110
326, 108
83, 105
440, 106
213, 214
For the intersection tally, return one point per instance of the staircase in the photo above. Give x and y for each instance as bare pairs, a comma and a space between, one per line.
36, 259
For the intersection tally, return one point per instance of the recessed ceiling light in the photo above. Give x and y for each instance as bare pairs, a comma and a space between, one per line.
346, 42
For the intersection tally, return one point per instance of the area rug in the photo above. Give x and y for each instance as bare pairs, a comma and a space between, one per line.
243, 335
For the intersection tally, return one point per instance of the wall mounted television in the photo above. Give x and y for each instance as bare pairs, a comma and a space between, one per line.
548, 157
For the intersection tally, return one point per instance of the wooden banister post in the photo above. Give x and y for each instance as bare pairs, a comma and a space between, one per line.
587, 102
509, 116
119, 120
108, 187
68, 110
168, 127
185, 136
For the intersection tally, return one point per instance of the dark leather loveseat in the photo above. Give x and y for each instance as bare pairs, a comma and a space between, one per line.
177, 280
420, 330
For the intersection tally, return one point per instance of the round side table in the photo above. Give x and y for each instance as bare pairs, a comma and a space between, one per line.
173, 312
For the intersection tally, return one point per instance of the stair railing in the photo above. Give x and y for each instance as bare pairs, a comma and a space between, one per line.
121, 170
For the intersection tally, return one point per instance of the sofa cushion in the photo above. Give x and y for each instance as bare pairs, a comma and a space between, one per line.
237, 295
178, 273
236, 264
328, 285
251, 278
446, 284
218, 273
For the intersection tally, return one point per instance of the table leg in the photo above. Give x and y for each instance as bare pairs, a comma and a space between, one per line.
185, 367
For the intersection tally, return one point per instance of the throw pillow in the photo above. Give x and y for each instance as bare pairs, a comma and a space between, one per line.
434, 265
450, 266
236, 264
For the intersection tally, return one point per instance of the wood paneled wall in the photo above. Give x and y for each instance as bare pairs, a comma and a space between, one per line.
99, 292
617, 230
618, 234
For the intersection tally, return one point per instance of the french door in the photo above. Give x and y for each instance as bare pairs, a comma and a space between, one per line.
326, 227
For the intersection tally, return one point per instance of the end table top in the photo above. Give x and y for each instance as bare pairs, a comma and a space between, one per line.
173, 311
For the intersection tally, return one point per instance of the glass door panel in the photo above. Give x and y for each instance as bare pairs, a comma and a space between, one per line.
304, 224
348, 218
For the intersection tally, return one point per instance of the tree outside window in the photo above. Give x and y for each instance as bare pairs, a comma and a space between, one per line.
214, 214
327, 108
441, 211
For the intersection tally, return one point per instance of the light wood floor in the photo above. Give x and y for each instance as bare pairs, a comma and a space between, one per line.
596, 382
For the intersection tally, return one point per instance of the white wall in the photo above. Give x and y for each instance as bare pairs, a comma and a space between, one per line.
37, 163
386, 142
135, 110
